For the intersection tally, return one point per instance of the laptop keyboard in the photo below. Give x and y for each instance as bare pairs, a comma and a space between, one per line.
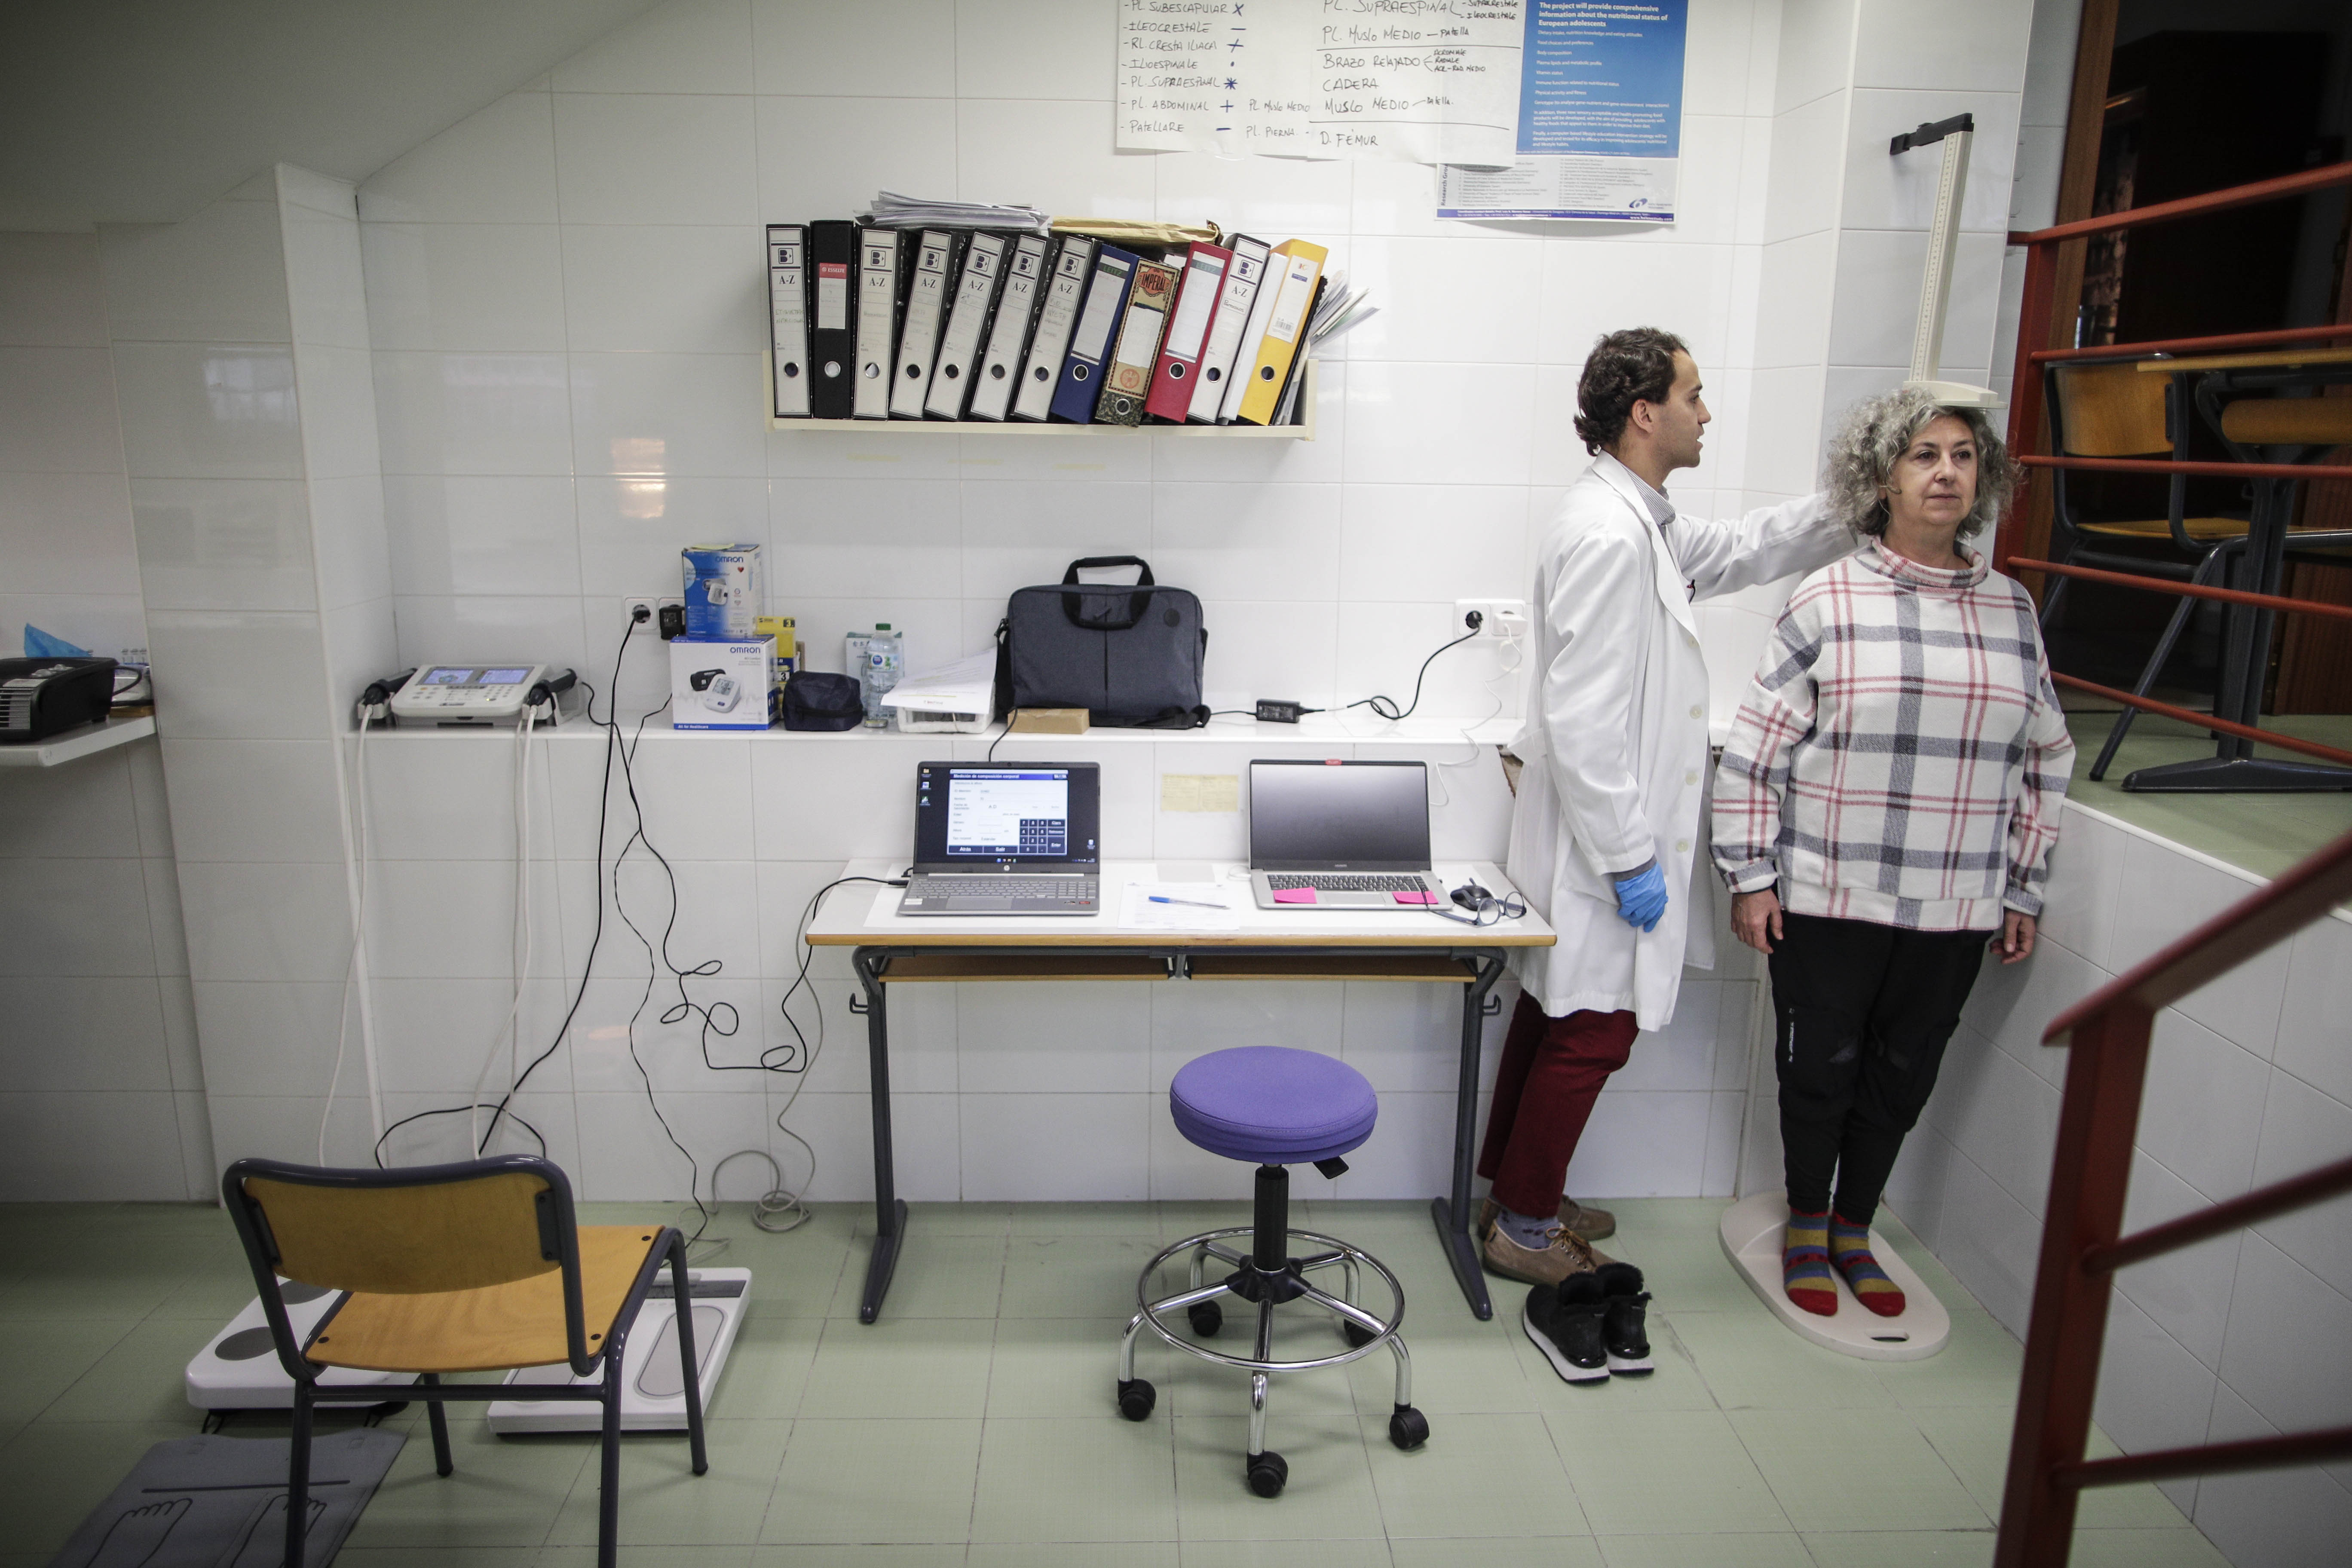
1345, 882
1001, 887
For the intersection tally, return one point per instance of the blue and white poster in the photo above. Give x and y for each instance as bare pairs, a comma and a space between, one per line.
1601, 112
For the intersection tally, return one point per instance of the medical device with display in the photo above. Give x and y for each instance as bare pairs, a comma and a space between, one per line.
467, 693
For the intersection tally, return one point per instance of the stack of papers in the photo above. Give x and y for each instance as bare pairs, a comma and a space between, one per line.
1178, 906
892, 210
967, 686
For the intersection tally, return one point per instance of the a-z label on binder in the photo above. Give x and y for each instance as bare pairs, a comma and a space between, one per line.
788, 318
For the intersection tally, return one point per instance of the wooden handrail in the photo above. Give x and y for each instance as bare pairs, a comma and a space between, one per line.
2151, 348
2206, 720
2279, 602
2212, 1459
2209, 470
2246, 195
2279, 1197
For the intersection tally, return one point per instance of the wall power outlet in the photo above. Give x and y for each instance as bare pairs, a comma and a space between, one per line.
1500, 618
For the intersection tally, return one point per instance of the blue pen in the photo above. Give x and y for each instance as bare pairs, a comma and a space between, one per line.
1188, 903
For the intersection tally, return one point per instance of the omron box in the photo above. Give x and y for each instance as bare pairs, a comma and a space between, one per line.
720, 683
724, 594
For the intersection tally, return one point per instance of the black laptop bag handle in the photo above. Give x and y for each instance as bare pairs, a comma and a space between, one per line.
1138, 604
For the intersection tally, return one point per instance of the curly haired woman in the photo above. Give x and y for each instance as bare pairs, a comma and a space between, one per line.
1887, 799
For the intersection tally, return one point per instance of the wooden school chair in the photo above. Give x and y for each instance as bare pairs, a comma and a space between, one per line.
477, 1266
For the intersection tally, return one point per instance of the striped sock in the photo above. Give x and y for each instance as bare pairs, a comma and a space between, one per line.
1850, 1251
1805, 1263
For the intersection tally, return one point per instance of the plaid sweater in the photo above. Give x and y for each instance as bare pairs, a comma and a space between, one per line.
1900, 756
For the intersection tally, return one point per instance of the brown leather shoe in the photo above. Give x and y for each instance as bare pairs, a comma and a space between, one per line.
1561, 1256
1584, 1222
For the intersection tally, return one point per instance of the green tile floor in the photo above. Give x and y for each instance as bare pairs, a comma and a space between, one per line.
2264, 834
974, 1424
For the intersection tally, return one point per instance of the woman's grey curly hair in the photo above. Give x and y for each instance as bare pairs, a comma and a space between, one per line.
1877, 431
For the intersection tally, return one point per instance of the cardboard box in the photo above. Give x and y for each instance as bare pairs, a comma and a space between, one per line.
720, 683
1050, 722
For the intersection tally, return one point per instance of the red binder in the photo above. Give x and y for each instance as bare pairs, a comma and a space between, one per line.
1188, 327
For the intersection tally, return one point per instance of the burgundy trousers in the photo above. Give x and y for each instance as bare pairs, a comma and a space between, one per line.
1551, 1073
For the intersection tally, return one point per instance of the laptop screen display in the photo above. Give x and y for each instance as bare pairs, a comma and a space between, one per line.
1318, 816
1003, 815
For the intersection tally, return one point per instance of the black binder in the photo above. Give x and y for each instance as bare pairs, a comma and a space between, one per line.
833, 318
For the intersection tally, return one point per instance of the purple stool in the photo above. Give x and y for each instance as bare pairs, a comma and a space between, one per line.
1274, 1107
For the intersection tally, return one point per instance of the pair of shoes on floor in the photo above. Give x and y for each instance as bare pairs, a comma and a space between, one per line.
1582, 1221
1595, 1326
1812, 1244
1562, 1256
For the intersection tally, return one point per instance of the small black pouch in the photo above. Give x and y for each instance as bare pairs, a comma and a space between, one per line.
815, 699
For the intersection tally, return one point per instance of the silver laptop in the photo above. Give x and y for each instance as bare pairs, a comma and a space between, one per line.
1340, 836
1009, 838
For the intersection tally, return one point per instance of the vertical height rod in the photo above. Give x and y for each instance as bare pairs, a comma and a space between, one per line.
1943, 250
2089, 1174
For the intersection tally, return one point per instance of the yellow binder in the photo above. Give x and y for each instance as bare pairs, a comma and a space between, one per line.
1295, 267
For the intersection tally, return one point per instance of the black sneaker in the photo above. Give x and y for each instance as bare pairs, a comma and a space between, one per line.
1622, 1326
1564, 1321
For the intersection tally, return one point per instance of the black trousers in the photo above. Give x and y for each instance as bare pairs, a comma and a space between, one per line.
1864, 1012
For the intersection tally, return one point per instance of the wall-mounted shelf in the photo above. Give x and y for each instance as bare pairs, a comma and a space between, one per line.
77, 743
1024, 427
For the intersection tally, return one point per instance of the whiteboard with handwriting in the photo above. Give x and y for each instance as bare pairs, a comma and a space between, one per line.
1426, 82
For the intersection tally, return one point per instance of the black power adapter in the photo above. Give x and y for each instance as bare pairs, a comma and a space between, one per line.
1274, 712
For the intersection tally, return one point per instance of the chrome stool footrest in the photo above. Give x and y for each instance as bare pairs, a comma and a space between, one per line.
1266, 1289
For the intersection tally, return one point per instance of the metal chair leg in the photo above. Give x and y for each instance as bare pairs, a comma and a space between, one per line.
1403, 1370
2206, 569
1258, 1413
439, 1420
297, 1478
608, 1490
691, 1371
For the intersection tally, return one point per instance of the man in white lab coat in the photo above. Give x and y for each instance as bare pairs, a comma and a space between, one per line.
1607, 823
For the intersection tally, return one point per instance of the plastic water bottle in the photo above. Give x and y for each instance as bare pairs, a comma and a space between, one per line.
885, 660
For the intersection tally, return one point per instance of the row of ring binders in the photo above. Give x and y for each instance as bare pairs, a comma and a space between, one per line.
869, 322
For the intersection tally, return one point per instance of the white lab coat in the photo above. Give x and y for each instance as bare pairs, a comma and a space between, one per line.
1615, 740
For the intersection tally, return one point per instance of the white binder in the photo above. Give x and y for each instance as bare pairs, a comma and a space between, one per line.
878, 319
1235, 381
918, 336
1229, 331
788, 318
1008, 335
975, 293
1042, 370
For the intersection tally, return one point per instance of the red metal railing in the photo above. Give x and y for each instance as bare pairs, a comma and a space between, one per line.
2025, 419
2081, 1247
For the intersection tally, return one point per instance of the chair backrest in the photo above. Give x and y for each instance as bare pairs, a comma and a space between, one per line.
421, 1230
2107, 411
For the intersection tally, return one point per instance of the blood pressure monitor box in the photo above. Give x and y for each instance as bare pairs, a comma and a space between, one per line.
724, 592
720, 683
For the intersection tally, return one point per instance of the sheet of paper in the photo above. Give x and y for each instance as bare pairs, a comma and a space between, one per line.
1204, 907
963, 687
1429, 81
1201, 792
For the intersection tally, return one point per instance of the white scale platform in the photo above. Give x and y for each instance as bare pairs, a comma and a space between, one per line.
238, 1369
1753, 1231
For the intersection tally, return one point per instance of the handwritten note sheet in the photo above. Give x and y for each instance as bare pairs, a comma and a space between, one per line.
1429, 81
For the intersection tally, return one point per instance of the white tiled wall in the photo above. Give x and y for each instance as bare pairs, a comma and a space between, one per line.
2249, 1081
983, 1075
101, 1094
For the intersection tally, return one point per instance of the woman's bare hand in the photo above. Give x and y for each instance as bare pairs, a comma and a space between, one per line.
2016, 939
1755, 918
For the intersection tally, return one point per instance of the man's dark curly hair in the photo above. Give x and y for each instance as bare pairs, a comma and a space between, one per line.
1635, 365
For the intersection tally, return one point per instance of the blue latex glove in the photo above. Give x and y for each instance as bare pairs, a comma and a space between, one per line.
1641, 897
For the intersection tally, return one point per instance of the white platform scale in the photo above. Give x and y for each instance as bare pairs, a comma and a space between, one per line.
238, 1369
652, 1387
1753, 1231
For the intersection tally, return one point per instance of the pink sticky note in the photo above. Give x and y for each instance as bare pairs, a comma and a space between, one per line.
1293, 895
1415, 898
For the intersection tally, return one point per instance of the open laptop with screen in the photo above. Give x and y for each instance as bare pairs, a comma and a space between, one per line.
1340, 836
1006, 838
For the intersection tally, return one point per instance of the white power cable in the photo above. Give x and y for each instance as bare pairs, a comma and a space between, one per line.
1477, 749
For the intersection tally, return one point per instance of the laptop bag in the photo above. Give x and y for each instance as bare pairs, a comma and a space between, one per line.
1131, 655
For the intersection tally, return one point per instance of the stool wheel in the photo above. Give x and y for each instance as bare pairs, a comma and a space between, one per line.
1358, 1335
1136, 1398
1267, 1472
1207, 1317
1408, 1428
